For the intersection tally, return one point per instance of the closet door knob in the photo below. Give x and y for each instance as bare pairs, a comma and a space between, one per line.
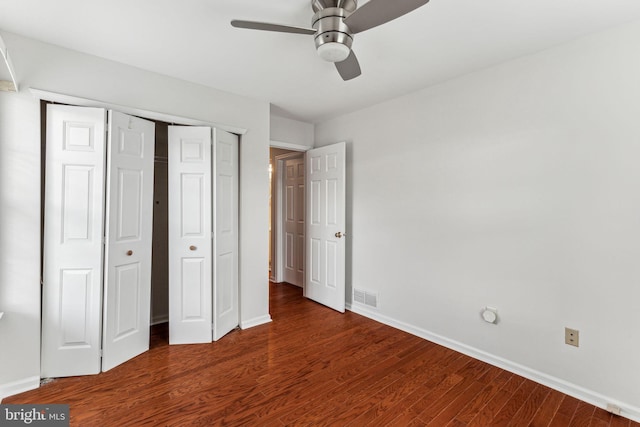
193, 248
129, 252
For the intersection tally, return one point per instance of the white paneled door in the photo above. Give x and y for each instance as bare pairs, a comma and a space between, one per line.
325, 224
128, 243
73, 232
203, 234
225, 286
294, 227
190, 235
88, 252
98, 238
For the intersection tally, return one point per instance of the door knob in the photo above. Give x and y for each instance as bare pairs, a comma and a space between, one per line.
129, 252
339, 234
193, 248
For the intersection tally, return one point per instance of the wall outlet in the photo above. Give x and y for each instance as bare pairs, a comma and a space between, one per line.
572, 337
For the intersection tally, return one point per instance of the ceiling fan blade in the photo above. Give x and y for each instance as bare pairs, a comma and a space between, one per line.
378, 12
349, 68
265, 26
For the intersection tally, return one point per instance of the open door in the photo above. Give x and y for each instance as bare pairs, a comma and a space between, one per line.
190, 235
225, 285
128, 243
293, 218
325, 223
73, 232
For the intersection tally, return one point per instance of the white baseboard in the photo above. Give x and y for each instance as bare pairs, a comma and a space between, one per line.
159, 319
628, 411
257, 321
19, 386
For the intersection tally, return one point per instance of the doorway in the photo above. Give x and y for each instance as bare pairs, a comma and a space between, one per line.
322, 205
160, 238
287, 216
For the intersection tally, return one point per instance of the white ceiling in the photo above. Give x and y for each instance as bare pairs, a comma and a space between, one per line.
192, 40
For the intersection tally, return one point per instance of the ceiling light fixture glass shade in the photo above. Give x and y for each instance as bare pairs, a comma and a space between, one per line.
333, 52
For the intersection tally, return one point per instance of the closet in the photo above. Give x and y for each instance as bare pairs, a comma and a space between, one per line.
98, 241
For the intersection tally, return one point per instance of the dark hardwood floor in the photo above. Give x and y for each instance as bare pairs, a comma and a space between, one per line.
312, 366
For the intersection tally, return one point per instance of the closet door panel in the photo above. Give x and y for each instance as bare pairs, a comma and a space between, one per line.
225, 307
190, 235
73, 247
128, 230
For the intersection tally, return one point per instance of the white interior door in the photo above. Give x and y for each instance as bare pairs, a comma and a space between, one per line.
294, 227
225, 269
325, 219
73, 233
128, 231
190, 235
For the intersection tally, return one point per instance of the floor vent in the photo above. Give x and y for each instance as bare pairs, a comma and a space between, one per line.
365, 297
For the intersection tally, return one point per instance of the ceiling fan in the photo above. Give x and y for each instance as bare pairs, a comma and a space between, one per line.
334, 24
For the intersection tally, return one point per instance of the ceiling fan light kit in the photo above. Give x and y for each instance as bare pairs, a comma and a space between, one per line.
335, 22
333, 38
333, 51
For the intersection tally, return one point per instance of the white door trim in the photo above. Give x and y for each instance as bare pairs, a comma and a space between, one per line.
278, 199
147, 114
289, 146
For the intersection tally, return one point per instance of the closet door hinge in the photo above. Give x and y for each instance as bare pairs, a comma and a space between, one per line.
100, 353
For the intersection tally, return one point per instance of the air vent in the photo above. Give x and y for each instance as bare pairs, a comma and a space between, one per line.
367, 298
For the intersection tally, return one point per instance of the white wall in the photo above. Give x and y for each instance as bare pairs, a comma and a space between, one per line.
19, 242
54, 69
516, 187
289, 131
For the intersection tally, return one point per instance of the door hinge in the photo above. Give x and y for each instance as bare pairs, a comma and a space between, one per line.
100, 353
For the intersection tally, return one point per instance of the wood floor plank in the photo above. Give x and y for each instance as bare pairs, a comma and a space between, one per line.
601, 418
402, 393
449, 413
618, 421
427, 395
488, 392
583, 415
513, 405
547, 410
311, 366
530, 407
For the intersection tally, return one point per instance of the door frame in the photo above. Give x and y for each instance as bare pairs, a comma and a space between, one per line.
278, 224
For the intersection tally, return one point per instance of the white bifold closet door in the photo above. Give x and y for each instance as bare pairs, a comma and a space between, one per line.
203, 234
96, 277
73, 233
128, 231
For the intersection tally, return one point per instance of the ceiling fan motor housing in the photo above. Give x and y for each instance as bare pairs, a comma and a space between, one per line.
333, 38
